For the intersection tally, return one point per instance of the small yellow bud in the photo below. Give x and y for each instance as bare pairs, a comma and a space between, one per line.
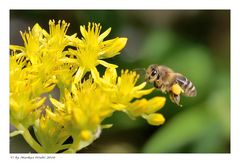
37, 30
176, 89
155, 119
86, 135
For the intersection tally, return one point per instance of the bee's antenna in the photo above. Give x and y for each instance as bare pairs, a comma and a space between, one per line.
139, 69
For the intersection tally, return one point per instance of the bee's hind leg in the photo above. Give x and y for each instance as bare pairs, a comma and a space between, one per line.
175, 98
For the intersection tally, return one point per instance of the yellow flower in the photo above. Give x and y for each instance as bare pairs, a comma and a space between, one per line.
24, 95
123, 91
91, 49
45, 54
147, 108
86, 99
82, 108
51, 135
39, 44
126, 86
32, 44
143, 106
57, 39
123, 87
81, 113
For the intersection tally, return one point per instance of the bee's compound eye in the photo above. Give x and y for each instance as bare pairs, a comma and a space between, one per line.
154, 72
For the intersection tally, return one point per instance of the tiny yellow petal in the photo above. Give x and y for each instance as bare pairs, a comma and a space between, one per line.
104, 63
57, 103
119, 107
110, 76
37, 30
38, 102
140, 93
79, 75
95, 74
155, 104
83, 31
113, 47
17, 47
140, 86
104, 34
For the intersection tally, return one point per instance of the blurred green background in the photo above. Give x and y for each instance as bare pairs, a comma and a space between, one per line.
195, 43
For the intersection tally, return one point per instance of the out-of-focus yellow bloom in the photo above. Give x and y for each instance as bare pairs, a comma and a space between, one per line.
24, 97
51, 135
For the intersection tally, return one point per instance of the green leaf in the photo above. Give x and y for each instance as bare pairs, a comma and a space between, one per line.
178, 132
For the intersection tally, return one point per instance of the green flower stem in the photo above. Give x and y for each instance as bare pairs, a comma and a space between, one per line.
29, 139
15, 133
74, 147
64, 146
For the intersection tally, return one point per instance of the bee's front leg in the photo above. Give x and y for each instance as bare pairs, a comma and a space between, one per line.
161, 86
164, 89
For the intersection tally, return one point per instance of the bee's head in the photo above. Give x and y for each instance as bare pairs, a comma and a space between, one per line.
152, 73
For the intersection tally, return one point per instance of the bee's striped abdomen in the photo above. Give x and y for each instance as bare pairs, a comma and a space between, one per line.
186, 85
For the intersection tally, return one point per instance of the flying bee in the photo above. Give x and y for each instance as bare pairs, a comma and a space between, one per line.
170, 82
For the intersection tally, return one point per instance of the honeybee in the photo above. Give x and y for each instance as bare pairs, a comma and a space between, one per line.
166, 79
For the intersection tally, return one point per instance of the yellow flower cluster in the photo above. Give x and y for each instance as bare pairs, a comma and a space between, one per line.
56, 60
